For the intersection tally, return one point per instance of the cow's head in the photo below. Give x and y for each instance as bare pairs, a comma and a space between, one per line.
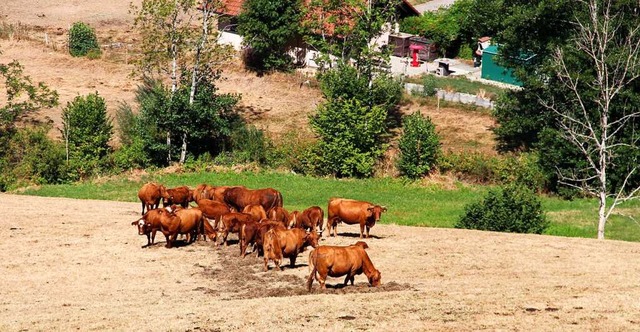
142, 225
311, 238
374, 278
374, 212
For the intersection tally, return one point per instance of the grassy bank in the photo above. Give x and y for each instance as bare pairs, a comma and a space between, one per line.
408, 204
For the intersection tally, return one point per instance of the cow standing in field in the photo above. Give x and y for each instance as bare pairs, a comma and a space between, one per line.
239, 197
271, 247
150, 195
179, 196
182, 221
294, 241
279, 214
232, 223
253, 233
352, 212
148, 225
213, 210
337, 261
310, 219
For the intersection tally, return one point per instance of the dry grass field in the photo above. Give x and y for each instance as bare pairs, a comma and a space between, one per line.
78, 265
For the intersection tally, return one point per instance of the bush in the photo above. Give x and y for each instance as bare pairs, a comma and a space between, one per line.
249, 144
419, 146
82, 40
32, 158
513, 208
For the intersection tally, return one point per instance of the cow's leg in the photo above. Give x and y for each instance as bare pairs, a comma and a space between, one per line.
168, 238
352, 279
243, 248
148, 240
277, 262
368, 228
153, 236
292, 261
266, 263
142, 209
361, 230
346, 279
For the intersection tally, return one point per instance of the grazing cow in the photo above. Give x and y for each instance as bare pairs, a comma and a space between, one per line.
351, 212
279, 214
294, 241
150, 195
239, 197
179, 196
252, 234
271, 248
148, 225
213, 210
182, 221
310, 219
337, 261
257, 211
232, 223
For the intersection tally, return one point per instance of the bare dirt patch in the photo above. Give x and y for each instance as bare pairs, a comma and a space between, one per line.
78, 264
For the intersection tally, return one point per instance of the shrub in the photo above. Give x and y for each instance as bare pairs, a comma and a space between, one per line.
249, 144
513, 208
82, 40
419, 146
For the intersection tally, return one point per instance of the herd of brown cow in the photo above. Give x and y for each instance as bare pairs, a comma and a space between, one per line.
261, 222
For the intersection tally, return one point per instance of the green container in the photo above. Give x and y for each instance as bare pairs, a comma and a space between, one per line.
491, 70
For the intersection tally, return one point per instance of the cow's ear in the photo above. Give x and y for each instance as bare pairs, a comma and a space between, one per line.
384, 208
133, 223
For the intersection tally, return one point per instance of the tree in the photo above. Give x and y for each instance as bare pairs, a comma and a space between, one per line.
82, 40
591, 116
174, 45
86, 130
271, 29
419, 146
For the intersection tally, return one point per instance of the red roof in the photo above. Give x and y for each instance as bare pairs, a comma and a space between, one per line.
231, 7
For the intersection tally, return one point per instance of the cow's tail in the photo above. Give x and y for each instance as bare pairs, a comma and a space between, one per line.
312, 266
242, 237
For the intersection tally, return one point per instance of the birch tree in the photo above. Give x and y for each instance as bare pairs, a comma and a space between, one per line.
594, 115
179, 44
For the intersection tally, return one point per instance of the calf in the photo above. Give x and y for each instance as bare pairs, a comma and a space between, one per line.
337, 261
148, 225
271, 248
294, 241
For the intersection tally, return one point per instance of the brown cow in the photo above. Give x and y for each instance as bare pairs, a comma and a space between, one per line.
279, 214
257, 211
310, 219
351, 212
336, 261
217, 193
213, 210
239, 197
201, 192
252, 234
271, 247
232, 223
182, 221
150, 195
148, 225
294, 241
179, 196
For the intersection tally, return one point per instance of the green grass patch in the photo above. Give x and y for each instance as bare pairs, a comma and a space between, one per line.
408, 203
463, 85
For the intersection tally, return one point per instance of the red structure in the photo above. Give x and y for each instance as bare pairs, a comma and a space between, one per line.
415, 49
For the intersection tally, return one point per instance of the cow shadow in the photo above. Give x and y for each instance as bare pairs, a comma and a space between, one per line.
289, 267
354, 235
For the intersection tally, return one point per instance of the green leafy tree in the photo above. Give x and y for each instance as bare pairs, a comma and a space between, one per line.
86, 130
82, 40
185, 53
271, 29
419, 146
513, 209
